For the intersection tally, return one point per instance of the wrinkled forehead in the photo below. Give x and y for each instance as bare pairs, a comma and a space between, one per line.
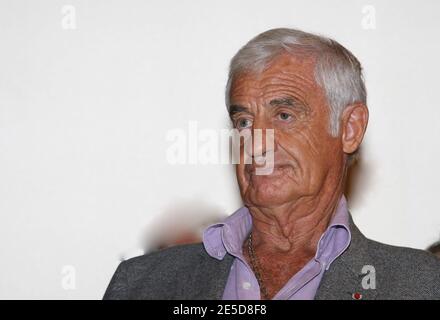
286, 75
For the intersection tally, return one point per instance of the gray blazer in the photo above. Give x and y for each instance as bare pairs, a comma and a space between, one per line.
188, 272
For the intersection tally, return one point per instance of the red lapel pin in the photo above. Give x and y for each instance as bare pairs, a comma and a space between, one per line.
357, 296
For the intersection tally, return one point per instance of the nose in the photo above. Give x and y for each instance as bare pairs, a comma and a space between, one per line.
263, 144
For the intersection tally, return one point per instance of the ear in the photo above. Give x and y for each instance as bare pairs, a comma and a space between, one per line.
354, 123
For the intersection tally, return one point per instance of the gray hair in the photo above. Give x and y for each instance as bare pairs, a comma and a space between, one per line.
337, 70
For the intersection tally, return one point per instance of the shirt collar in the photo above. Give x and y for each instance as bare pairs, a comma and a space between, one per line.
228, 236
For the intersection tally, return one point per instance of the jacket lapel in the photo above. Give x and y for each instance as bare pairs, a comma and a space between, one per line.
343, 281
209, 278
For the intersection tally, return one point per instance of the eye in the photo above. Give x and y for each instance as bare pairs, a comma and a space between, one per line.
284, 116
243, 123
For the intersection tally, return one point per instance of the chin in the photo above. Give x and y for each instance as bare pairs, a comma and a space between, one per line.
270, 197
270, 190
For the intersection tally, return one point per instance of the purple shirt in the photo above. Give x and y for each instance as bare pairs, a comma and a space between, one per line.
229, 236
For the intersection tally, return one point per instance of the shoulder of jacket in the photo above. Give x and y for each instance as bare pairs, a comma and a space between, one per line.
172, 256
406, 267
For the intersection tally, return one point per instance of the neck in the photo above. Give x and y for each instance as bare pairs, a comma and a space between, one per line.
295, 228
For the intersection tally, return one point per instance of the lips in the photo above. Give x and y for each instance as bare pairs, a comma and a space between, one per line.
252, 169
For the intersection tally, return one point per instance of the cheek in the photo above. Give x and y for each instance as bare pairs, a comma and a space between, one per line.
242, 177
311, 153
301, 146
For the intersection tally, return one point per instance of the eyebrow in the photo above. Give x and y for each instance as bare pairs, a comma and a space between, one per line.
290, 102
286, 101
283, 102
233, 109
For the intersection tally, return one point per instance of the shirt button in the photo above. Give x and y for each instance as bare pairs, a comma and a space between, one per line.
246, 285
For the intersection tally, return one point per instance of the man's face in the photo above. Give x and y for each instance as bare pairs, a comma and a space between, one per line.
307, 159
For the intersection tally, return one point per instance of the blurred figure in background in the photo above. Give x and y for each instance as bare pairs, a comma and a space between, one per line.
435, 249
183, 223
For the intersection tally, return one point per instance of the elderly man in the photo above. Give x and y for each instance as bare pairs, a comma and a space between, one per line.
294, 238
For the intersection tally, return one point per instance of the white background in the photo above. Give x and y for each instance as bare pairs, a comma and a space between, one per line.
84, 115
